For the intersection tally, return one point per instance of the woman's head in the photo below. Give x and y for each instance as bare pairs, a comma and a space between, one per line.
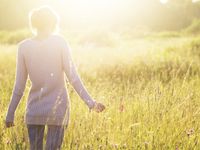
43, 19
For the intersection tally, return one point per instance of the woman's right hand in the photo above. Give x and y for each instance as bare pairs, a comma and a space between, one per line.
98, 107
9, 124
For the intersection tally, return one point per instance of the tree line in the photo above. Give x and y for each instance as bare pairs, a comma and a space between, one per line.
174, 15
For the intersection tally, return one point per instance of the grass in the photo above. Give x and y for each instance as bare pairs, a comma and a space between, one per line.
150, 87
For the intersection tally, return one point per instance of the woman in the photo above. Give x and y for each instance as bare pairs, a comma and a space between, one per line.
45, 58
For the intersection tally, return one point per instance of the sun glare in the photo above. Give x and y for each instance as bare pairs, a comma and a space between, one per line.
163, 1
90, 8
195, 1
103, 13
93, 12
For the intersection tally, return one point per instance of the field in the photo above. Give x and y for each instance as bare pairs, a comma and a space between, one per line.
150, 86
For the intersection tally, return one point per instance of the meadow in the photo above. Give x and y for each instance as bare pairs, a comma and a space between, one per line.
150, 85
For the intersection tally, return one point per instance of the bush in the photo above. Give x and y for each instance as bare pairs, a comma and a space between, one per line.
13, 37
194, 27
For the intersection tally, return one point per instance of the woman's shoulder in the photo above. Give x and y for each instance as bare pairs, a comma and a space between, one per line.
24, 43
57, 39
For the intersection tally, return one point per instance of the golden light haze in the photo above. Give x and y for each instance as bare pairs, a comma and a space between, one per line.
110, 14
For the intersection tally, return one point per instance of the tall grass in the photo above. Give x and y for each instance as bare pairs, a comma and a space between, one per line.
149, 86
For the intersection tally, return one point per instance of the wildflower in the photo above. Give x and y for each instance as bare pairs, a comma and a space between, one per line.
190, 132
121, 106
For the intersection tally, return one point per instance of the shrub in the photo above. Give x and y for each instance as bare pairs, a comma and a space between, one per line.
13, 37
194, 27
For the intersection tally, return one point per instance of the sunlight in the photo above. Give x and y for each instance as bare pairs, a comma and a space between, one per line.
194, 1
93, 8
163, 1
62, 62
93, 13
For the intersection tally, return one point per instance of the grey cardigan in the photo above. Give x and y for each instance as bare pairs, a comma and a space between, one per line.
46, 62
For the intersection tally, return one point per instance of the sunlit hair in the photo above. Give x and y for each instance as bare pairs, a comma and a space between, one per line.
44, 19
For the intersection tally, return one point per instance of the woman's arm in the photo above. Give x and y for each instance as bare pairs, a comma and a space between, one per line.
73, 76
20, 82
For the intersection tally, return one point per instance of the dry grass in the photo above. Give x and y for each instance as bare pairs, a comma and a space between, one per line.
150, 88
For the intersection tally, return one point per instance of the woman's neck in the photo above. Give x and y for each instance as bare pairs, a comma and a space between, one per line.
42, 35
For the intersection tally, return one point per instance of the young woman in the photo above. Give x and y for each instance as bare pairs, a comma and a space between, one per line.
45, 58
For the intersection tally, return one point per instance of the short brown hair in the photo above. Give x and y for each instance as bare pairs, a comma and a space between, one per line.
43, 18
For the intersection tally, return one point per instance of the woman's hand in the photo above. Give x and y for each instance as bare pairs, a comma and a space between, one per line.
98, 107
9, 124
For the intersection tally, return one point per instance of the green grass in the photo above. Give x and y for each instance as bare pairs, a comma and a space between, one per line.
150, 88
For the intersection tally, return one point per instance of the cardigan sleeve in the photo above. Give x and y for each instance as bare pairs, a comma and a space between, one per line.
73, 76
19, 86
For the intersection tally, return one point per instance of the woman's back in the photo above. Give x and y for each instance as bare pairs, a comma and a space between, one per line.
44, 62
